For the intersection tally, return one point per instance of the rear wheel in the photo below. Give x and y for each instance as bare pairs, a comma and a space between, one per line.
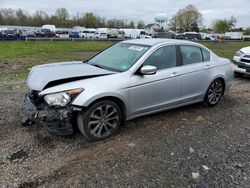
214, 93
100, 121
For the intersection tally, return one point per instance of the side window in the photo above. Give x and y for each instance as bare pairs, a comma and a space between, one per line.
191, 54
206, 55
162, 58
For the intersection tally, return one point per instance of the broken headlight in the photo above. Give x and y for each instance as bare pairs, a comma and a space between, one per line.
62, 98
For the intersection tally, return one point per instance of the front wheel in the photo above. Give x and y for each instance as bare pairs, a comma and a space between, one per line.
100, 121
214, 93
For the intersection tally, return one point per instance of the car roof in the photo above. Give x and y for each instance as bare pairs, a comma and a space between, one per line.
152, 42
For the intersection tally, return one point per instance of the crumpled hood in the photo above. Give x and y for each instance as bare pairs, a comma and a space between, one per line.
43, 75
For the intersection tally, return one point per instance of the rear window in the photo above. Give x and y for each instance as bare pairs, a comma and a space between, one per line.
191, 54
206, 55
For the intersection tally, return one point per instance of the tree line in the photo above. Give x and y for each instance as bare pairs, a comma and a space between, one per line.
62, 18
185, 20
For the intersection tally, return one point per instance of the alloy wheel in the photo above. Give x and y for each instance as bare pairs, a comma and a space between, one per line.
215, 92
103, 120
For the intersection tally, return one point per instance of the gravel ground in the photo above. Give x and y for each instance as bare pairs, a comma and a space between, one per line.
193, 146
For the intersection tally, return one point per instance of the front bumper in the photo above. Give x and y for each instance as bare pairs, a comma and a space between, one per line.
241, 67
59, 121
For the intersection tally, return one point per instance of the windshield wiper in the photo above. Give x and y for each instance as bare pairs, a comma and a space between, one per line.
96, 65
104, 67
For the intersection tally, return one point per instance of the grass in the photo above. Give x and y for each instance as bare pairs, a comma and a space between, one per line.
16, 57
18, 49
21, 49
225, 49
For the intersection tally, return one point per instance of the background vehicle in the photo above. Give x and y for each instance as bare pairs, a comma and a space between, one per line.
189, 36
121, 34
44, 33
28, 33
74, 34
62, 34
100, 35
130, 79
87, 33
9, 33
233, 35
52, 28
130, 33
241, 61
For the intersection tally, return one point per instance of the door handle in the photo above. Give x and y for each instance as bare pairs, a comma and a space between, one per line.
207, 66
174, 74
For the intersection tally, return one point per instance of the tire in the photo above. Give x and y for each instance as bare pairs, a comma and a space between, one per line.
214, 93
100, 121
238, 74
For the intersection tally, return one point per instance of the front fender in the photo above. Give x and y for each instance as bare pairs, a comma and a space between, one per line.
85, 99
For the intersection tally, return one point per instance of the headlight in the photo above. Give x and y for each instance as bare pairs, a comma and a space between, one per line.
239, 53
62, 98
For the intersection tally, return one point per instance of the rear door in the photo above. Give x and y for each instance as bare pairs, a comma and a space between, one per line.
196, 69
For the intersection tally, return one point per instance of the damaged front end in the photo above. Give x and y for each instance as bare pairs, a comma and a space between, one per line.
59, 120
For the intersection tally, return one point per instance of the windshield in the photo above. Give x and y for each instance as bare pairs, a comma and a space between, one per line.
119, 57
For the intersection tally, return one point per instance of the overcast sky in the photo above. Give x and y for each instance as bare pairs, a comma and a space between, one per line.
140, 9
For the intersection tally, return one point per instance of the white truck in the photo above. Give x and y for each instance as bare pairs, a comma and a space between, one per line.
233, 35
133, 33
106, 33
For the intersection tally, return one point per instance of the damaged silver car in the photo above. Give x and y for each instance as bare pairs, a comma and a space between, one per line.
127, 80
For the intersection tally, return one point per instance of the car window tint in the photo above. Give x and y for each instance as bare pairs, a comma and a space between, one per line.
191, 54
206, 55
162, 58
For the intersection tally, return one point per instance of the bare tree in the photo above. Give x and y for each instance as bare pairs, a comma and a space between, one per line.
186, 19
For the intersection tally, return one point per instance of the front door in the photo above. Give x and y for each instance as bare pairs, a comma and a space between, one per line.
157, 91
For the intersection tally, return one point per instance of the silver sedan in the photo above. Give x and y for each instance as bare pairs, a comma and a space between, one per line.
129, 79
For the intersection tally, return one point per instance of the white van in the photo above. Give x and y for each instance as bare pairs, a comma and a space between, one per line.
50, 27
87, 33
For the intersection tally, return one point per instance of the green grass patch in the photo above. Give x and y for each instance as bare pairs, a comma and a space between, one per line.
225, 49
18, 49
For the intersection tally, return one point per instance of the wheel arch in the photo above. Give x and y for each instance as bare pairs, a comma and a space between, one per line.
117, 99
219, 78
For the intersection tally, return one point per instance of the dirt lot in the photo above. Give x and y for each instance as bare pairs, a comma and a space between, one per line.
193, 146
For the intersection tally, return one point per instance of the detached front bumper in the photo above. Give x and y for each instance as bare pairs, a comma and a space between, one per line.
59, 121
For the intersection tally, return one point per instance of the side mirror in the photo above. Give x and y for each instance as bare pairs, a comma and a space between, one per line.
148, 70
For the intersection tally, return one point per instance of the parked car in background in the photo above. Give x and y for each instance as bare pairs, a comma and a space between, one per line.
74, 34
127, 80
121, 34
45, 33
62, 34
87, 33
9, 33
101, 35
110, 32
233, 35
246, 38
189, 36
168, 35
241, 61
28, 33
52, 28
130, 33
